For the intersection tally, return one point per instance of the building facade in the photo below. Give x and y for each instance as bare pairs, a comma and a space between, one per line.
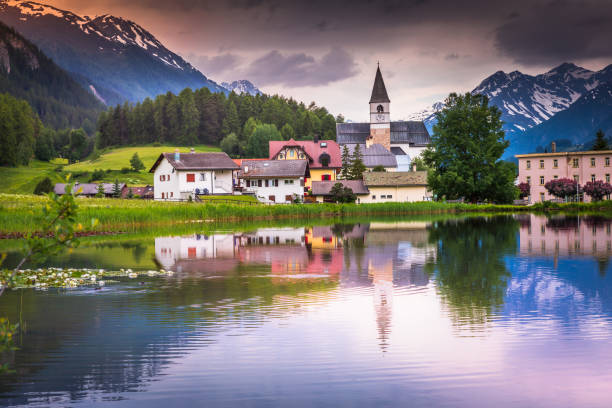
404, 139
274, 181
405, 186
179, 176
538, 168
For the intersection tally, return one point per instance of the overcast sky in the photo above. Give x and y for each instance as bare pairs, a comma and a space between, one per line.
326, 51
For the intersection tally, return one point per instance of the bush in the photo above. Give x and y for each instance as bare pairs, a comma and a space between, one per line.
597, 189
97, 174
562, 188
125, 170
156, 144
524, 190
44, 186
108, 171
59, 169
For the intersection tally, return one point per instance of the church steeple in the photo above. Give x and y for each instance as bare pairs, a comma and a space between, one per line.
379, 92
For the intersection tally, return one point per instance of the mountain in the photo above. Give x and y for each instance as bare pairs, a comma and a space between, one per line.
26, 73
577, 125
241, 86
116, 59
528, 101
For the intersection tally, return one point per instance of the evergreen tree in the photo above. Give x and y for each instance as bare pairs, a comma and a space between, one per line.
600, 141
465, 153
231, 123
116, 189
44, 186
345, 171
357, 166
100, 193
136, 163
189, 116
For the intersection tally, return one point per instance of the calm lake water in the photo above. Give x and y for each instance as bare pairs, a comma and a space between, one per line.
512, 311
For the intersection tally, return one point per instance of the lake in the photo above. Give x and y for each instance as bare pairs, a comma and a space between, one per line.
504, 311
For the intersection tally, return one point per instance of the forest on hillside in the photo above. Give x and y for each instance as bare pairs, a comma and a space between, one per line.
203, 117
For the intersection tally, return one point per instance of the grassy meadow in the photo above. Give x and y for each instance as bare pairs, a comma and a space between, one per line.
23, 179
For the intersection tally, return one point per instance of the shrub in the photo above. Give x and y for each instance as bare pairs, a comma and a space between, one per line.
524, 190
97, 174
597, 189
125, 170
562, 188
156, 144
44, 186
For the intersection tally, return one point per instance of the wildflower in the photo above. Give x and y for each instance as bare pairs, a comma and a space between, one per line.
101, 283
132, 275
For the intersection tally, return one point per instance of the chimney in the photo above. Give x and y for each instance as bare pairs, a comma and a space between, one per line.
414, 167
177, 155
192, 150
553, 147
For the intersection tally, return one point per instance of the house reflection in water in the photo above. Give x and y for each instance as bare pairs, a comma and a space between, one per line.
565, 236
384, 257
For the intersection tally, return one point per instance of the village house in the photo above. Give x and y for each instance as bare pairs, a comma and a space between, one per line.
321, 190
179, 176
145, 192
537, 169
274, 181
400, 186
404, 139
91, 189
323, 156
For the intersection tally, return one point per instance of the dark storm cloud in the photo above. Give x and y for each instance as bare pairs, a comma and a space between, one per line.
558, 31
300, 69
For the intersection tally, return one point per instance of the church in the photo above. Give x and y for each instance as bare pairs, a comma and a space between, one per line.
391, 144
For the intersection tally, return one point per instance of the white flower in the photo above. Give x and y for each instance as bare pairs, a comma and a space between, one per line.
101, 283
93, 278
170, 273
132, 275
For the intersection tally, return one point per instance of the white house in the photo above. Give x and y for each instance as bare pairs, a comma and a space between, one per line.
179, 176
274, 181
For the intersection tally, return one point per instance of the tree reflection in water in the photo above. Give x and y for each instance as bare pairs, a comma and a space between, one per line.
469, 266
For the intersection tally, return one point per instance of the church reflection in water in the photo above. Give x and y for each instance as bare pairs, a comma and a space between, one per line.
382, 257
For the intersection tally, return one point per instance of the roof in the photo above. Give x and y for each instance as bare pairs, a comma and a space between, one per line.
395, 179
109, 188
375, 155
142, 191
313, 150
239, 161
584, 153
323, 188
86, 188
402, 132
379, 92
197, 161
273, 169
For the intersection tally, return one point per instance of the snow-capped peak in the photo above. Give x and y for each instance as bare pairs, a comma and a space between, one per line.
241, 86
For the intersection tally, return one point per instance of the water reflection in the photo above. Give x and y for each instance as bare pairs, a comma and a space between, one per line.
455, 312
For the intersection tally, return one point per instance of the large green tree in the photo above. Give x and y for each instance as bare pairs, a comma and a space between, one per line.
257, 145
465, 152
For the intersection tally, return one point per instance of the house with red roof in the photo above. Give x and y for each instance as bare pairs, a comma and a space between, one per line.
324, 157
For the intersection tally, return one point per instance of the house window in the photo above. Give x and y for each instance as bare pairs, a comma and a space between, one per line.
528, 164
302, 156
541, 196
190, 177
555, 163
326, 177
373, 197
592, 162
162, 177
276, 183
272, 198
191, 252
382, 197
389, 196
248, 183
555, 177
607, 178
258, 183
163, 196
172, 194
607, 162
168, 177
202, 176
575, 163
291, 153
281, 156
541, 180
541, 164
592, 178
267, 183
528, 180
288, 198
288, 181
576, 178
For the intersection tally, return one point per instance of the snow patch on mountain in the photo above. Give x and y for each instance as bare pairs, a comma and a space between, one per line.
241, 86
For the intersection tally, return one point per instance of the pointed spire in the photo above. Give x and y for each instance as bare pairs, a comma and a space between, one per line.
379, 92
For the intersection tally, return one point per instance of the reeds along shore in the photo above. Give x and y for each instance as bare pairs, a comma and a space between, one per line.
21, 214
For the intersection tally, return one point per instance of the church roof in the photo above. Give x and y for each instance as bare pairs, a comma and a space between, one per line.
409, 132
375, 155
379, 92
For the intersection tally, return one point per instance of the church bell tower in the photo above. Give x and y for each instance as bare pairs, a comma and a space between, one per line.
380, 120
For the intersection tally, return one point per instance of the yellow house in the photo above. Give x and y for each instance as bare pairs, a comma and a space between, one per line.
324, 158
399, 186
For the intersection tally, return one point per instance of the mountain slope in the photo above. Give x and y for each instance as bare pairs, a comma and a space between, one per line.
242, 86
578, 124
115, 58
27, 73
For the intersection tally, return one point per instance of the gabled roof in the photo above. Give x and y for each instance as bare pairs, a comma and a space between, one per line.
375, 155
86, 188
313, 150
273, 169
109, 188
402, 132
197, 161
323, 188
379, 92
395, 179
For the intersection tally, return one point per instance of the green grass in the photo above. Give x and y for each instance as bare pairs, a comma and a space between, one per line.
229, 199
116, 159
23, 179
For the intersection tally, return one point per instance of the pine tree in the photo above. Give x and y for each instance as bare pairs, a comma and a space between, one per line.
345, 171
357, 166
116, 189
100, 193
600, 141
136, 163
231, 123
